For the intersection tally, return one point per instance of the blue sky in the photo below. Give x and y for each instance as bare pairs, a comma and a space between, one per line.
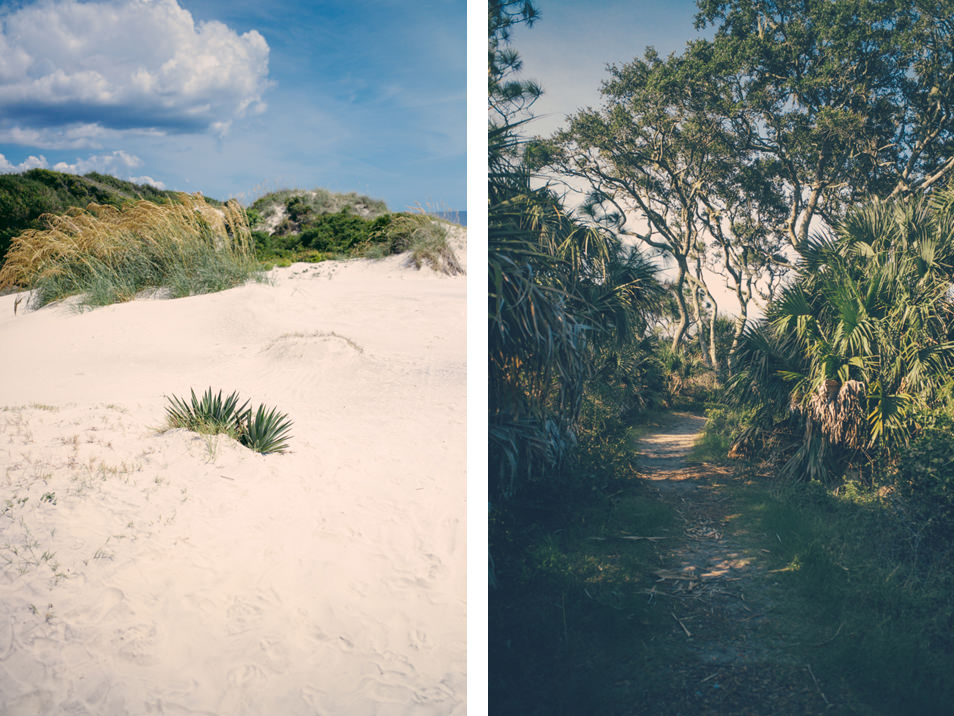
240, 97
568, 49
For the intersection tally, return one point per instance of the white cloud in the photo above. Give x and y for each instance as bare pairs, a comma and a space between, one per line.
147, 180
31, 162
78, 136
117, 163
113, 163
70, 71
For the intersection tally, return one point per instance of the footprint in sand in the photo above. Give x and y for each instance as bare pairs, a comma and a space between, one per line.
276, 657
246, 675
417, 639
6, 639
136, 643
315, 699
35, 702
109, 600
243, 616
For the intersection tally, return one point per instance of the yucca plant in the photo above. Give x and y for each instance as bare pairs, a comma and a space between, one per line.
264, 431
209, 414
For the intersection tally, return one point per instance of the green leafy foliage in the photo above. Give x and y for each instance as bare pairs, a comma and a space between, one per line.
860, 343
724, 426
344, 234
924, 478
337, 233
25, 197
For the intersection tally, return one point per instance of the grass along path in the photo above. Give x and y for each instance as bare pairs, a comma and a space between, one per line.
655, 584
736, 644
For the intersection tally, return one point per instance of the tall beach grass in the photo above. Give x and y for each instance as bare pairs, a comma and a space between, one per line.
110, 255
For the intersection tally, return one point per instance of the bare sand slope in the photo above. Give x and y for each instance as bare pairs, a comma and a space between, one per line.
163, 572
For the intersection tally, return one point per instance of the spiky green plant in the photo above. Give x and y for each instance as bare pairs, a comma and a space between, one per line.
266, 431
209, 414
559, 291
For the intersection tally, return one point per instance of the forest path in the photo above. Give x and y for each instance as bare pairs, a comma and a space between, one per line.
731, 650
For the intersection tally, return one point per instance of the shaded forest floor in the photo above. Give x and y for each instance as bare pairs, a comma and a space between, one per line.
674, 591
733, 647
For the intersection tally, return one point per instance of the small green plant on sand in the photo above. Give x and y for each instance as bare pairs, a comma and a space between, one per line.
208, 415
264, 431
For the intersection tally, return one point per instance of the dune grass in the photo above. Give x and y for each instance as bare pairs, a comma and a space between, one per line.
424, 239
110, 255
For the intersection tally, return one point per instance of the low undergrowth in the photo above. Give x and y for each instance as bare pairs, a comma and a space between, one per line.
866, 560
570, 623
876, 608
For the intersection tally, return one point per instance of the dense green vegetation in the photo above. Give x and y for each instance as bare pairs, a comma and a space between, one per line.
296, 225
25, 197
108, 255
108, 239
802, 153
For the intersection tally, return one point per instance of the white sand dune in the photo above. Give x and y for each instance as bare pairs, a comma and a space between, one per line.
163, 572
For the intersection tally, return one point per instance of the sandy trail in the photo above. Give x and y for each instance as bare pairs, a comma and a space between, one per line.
730, 650
163, 572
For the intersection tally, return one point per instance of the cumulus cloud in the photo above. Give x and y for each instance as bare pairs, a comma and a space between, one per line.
147, 180
114, 163
31, 162
72, 72
118, 163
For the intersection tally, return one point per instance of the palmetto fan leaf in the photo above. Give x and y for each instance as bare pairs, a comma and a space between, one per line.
864, 330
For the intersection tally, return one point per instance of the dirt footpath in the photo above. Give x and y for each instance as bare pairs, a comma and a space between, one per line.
730, 648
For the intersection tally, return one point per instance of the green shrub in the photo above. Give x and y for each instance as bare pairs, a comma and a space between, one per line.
264, 431
422, 237
338, 232
304, 207
924, 477
723, 427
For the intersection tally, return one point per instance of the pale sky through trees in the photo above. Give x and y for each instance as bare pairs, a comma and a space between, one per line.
569, 48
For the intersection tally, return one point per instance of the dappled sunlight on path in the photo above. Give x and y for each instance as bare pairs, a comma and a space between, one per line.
730, 649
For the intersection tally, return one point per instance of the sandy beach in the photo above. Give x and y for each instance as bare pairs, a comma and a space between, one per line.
152, 571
